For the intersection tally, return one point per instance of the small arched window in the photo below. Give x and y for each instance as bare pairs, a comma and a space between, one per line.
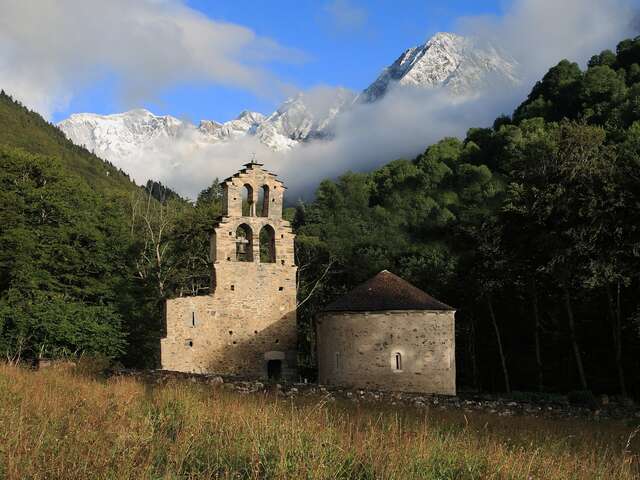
248, 207
397, 361
244, 243
263, 201
267, 244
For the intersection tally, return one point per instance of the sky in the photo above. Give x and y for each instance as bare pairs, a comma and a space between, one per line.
341, 43
197, 59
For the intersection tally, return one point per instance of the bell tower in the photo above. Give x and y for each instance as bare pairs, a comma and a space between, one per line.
247, 325
252, 229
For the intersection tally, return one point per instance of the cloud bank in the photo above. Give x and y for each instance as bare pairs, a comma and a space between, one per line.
51, 49
400, 125
540, 33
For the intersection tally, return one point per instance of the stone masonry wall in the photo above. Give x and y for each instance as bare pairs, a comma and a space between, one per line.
250, 317
358, 350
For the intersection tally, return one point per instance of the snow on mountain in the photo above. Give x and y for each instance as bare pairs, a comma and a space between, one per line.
307, 115
448, 60
246, 122
119, 134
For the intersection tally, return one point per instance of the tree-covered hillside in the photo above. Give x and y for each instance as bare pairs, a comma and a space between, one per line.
63, 255
87, 257
26, 130
530, 228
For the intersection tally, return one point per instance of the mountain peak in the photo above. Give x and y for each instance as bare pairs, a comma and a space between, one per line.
446, 59
250, 116
139, 111
442, 37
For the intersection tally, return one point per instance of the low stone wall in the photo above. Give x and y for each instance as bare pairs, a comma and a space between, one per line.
556, 406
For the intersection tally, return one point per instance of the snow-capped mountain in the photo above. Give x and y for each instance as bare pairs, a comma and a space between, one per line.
125, 134
119, 134
122, 134
447, 60
303, 117
246, 122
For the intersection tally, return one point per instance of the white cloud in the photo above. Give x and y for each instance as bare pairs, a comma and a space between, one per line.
50, 49
540, 33
399, 125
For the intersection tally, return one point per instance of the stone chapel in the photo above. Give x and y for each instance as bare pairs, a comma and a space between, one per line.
387, 334
246, 326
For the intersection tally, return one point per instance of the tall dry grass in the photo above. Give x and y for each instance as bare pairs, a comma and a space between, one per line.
60, 424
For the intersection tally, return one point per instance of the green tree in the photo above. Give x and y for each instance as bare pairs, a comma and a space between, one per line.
63, 254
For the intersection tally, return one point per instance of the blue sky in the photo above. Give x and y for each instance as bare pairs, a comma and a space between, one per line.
343, 43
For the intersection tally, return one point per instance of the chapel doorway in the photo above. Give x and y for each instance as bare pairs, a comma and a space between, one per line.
274, 369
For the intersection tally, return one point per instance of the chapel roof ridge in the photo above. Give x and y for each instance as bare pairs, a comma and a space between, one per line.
385, 292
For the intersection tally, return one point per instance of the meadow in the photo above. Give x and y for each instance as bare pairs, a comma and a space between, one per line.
67, 423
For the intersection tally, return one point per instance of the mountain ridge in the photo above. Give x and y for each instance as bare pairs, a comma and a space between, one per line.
446, 60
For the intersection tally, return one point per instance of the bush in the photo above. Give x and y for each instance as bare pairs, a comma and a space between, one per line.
582, 398
537, 397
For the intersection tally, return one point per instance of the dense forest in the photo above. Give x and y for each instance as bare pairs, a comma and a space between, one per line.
529, 228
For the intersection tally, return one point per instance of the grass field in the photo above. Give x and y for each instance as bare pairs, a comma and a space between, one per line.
59, 423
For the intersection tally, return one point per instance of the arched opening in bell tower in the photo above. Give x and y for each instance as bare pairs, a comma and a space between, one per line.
263, 201
244, 243
248, 205
267, 244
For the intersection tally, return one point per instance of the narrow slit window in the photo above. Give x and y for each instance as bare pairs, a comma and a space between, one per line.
397, 361
338, 361
193, 319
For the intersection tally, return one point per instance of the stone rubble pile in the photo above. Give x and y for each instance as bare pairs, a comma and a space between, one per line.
559, 407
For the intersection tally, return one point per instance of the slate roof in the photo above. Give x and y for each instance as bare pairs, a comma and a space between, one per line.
386, 291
